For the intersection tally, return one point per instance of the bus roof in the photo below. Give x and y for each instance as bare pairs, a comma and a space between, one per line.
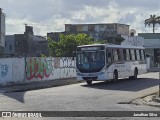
114, 46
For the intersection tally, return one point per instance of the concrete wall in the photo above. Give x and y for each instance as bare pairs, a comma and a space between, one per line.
21, 70
11, 70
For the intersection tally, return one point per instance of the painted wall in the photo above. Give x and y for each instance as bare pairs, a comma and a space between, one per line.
20, 70
49, 68
11, 70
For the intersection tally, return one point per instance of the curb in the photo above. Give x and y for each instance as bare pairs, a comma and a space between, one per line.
149, 100
35, 85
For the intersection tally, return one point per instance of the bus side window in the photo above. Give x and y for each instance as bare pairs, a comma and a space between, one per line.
135, 54
120, 54
115, 55
127, 54
142, 54
109, 55
130, 55
138, 55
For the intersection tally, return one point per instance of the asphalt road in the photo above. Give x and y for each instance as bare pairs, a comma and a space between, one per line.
101, 96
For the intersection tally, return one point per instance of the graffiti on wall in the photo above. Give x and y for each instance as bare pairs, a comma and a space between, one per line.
64, 63
20, 70
65, 66
3, 70
38, 68
49, 68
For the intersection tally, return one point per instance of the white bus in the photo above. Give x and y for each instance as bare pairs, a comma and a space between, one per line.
101, 62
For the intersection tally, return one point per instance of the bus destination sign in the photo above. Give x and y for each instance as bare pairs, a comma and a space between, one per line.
92, 48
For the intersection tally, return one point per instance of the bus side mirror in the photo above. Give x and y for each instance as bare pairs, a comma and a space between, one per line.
74, 55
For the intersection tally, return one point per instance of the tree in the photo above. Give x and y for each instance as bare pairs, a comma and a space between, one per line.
68, 44
118, 40
152, 20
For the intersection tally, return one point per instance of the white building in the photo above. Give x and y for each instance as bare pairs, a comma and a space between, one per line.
152, 46
135, 40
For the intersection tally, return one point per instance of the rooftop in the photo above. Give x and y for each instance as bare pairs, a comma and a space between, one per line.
99, 24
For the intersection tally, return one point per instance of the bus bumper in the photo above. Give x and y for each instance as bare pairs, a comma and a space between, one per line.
101, 77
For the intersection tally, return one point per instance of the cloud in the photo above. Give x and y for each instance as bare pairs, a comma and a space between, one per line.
139, 4
51, 15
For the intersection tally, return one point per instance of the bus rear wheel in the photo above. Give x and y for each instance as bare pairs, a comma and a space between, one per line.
115, 76
89, 82
135, 74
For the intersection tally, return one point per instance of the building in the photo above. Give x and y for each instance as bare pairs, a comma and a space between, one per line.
2, 32
152, 45
97, 31
9, 45
26, 44
55, 36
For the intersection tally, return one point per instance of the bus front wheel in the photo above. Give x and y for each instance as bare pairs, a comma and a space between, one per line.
89, 82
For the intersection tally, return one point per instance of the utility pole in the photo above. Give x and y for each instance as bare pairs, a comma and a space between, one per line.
159, 69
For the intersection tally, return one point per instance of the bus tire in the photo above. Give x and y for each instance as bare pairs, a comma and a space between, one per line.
89, 82
135, 73
115, 76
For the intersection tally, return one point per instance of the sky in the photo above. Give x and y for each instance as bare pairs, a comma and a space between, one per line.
51, 15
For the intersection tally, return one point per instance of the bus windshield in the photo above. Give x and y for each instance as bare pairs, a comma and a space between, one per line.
90, 61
